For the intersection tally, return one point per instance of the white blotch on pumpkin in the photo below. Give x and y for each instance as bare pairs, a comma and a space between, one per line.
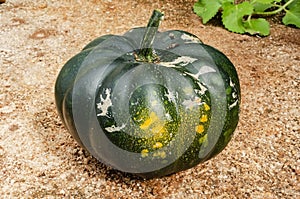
233, 104
203, 70
114, 128
202, 90
234, 95
231, 83
190, 39
104, 104
168, 116
190, 104
206, 69
171, 96
179, 61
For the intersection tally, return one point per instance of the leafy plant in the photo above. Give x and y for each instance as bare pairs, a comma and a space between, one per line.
246, 17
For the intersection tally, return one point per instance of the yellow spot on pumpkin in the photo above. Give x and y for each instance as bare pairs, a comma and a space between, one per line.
199, 129
144, 152
158, 129
161, 154
153, 117
206, 107
203, 118
154, 103
146, 124
203, 140
157, 145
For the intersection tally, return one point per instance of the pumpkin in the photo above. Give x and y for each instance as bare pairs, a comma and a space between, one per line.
147, 102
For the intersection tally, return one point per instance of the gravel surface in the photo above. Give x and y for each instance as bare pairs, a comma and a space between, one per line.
39, 158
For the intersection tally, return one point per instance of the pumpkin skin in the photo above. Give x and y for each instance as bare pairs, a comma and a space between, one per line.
149, 118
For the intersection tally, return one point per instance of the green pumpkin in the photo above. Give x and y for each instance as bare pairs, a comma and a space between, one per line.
149, 103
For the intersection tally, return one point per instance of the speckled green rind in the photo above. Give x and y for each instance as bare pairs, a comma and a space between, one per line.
64, 84
227, 69
170, 46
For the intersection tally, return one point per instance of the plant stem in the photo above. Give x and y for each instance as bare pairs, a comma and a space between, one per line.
146, 53
275, 11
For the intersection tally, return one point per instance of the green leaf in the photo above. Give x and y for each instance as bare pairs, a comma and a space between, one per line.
257, 26
207, 9
260, 7
226, 1
233, 15
265, 1
292, 16
294, 5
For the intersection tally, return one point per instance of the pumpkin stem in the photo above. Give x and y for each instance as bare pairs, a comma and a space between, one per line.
146, 53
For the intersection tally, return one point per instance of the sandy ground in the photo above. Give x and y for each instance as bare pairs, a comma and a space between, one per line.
39, 158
